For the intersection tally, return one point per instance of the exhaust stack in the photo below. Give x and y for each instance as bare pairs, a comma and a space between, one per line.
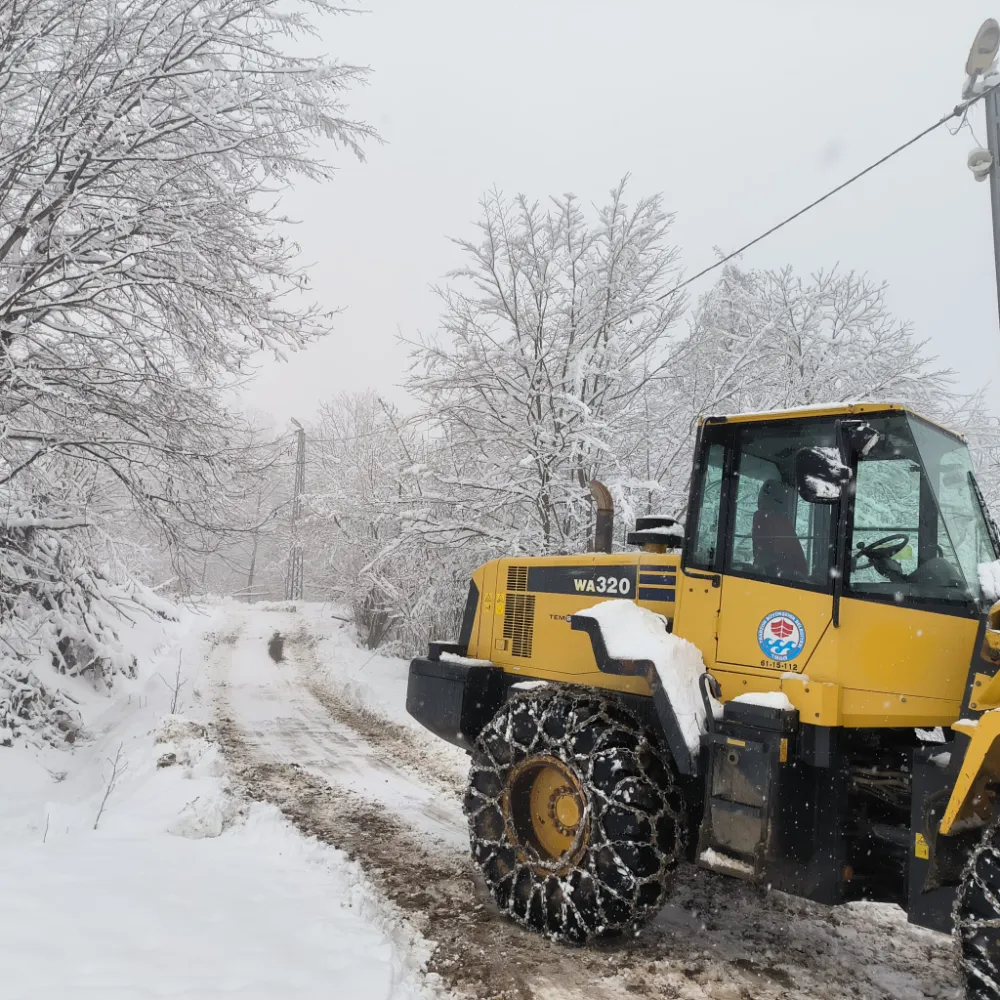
604, 527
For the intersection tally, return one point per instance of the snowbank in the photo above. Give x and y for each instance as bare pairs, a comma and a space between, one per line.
634, 633
371, 680
45, 704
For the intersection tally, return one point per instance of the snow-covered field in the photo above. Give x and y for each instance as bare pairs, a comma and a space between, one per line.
304, 838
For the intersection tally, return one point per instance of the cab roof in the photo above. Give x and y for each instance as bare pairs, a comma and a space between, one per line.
823, 410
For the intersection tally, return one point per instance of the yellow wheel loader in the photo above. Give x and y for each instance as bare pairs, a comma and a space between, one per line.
838, 735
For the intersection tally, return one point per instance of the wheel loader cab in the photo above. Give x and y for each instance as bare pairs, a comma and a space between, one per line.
843, 548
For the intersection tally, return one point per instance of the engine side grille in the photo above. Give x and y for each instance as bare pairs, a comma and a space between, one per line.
519, 623
517, 577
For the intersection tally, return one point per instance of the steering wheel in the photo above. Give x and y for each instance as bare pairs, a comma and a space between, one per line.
881, 548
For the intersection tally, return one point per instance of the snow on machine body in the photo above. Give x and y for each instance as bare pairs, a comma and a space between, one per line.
800, 690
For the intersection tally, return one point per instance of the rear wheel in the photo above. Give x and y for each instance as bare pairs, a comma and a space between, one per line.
977, 918
575, 819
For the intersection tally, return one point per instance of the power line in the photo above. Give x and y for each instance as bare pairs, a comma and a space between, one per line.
957, 112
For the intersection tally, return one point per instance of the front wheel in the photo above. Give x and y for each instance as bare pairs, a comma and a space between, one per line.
977, 918
575, 819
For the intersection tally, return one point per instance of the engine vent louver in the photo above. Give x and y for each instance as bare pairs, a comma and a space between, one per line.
517, 577
519, 623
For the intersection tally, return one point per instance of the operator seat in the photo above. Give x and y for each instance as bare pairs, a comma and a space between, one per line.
777, 552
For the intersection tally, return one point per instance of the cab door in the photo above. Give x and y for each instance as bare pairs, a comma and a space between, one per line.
906, 632
777, 590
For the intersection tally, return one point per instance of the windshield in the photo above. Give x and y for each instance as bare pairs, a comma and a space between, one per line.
919, 530
949, 471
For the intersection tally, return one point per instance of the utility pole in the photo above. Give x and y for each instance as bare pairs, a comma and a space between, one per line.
986, 162
293, 581
992, 105
253, 551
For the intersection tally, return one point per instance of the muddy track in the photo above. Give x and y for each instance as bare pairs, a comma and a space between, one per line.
478, 954
716, 940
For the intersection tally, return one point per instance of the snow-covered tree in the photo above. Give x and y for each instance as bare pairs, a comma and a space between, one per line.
550, 335
367, 492
249, 558
764, 340
142, 147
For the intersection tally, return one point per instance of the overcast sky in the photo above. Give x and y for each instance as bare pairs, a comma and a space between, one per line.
739, 113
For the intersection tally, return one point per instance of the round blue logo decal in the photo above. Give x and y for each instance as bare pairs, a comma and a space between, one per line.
781, 636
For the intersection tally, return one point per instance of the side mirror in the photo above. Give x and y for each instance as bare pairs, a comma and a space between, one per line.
820, 475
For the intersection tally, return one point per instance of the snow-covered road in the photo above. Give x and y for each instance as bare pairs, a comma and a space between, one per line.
323, 736
278, 707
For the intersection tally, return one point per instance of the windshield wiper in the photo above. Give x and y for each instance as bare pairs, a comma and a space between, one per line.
991, 527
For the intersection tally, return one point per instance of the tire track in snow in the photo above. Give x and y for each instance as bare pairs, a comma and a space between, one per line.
716, 940
388, 740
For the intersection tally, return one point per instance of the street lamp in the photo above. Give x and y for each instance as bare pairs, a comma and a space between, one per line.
984, 48
981, 55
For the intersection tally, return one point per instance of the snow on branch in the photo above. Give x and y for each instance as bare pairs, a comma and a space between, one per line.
549, 335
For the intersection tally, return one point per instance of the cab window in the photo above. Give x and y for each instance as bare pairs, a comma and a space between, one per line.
886, 504
775, 534
709, 494
918, 531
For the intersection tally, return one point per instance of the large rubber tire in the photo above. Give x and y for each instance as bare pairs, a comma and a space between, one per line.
977, 918
631, 820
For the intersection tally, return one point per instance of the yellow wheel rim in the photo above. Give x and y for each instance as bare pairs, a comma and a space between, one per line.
545, 808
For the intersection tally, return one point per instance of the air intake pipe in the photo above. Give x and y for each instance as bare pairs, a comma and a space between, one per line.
604, 527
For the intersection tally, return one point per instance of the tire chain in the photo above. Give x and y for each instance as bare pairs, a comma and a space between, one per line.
633, 826
977, 906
